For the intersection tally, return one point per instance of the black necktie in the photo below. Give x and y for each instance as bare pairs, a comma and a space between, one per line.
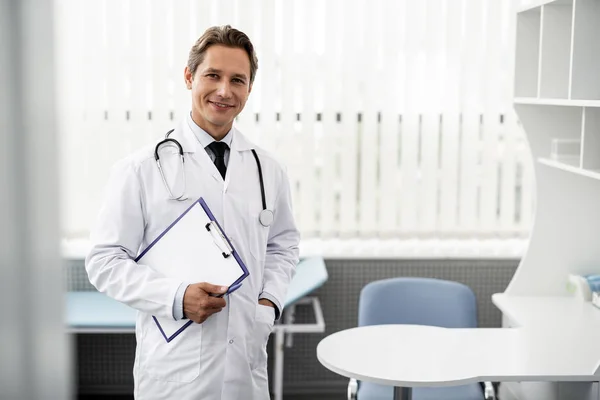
218, 149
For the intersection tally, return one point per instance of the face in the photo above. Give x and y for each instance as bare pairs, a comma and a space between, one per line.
220, 88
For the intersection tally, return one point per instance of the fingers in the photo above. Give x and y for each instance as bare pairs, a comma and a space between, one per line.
212, 289
199, 301
205, 310
203, 315
212, 303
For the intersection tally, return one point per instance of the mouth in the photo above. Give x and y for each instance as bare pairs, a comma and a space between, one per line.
222, 106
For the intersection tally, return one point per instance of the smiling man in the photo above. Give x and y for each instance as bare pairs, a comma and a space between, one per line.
222, 355
220, 77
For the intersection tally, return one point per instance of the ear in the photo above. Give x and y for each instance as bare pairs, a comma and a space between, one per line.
188, 77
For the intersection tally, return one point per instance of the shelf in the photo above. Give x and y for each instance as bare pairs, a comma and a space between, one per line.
531, 4
548, 311
557, 102
595, 174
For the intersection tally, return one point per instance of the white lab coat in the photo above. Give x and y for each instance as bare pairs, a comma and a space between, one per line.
224, 357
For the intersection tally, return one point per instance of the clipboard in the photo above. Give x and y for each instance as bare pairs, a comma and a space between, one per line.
194, 248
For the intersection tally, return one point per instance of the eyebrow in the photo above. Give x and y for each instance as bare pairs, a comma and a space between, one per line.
218, 71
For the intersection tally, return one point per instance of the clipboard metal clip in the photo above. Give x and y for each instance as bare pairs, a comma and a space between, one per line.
219, 238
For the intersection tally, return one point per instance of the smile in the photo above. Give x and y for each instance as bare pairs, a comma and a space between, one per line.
221, 105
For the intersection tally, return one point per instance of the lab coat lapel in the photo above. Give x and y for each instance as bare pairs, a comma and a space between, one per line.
239, 143
232, 165
190, 144
207, 165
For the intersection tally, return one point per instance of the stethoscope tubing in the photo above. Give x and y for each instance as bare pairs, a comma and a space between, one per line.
260, 178
265, 216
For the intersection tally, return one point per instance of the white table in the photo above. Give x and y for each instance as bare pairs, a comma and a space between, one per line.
406, 356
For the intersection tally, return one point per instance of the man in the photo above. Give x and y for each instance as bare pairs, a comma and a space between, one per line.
222, 355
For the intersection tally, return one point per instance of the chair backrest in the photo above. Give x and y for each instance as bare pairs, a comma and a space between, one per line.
418, 301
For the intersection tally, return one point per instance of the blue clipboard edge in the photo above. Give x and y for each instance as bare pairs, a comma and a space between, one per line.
232, 288
143, 253
173, 336
238, 282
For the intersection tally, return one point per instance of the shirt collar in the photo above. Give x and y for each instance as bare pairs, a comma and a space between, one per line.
203, 137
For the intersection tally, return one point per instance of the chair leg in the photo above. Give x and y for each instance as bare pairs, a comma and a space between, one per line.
278, 373
489, 391
352, 389
402, 393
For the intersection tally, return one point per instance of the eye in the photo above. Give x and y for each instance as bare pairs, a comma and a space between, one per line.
212, 76
238, 80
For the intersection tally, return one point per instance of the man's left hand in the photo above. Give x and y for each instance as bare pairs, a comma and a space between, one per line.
266, 302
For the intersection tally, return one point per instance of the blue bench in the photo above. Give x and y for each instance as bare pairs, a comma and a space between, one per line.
94, 312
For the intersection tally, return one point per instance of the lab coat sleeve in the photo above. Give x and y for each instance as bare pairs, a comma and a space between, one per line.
116, 238
282, 248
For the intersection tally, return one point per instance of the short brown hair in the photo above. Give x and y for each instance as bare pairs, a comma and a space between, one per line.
224, 36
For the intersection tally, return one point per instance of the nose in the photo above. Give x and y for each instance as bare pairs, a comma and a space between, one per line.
224, 89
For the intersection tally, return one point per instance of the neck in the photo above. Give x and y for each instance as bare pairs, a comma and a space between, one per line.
217, 132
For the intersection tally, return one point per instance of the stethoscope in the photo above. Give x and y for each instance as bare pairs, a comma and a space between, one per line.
265, 217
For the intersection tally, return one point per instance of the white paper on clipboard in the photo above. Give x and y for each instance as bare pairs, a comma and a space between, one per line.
194, 249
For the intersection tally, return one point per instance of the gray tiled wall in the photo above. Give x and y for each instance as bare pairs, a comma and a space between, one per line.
105, 361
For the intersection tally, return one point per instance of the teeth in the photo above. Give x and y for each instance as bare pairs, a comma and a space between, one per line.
221, 104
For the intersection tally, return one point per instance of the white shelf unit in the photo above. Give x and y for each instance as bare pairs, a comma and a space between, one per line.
557, 89
557, 98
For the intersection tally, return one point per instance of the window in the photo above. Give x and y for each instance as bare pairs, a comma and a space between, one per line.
394, 117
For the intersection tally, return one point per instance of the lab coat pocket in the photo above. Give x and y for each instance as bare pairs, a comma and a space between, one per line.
176, 361
263, 326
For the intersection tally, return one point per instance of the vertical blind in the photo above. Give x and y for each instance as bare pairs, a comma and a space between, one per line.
394, 118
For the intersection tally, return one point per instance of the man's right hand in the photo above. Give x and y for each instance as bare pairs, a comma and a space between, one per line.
198, 304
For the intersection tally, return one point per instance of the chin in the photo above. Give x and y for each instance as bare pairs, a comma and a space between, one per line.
219, 122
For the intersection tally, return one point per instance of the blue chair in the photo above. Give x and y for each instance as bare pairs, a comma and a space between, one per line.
418, 301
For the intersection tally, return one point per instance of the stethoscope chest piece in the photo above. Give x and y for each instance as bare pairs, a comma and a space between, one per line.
266, 218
